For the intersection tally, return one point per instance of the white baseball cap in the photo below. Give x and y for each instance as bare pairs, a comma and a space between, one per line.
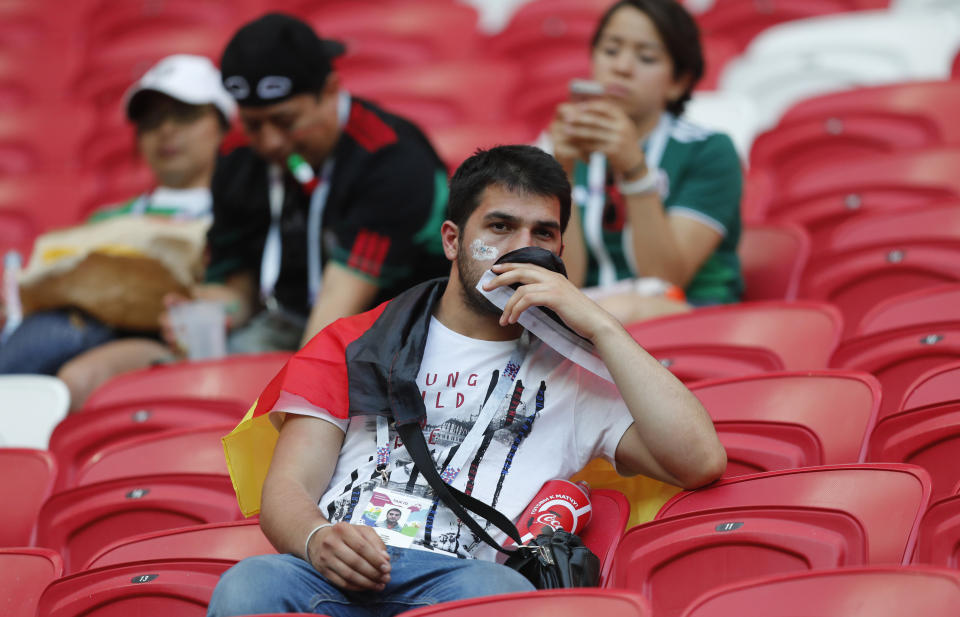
189, 79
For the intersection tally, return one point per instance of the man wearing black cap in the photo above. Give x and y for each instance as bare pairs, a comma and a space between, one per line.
333, 207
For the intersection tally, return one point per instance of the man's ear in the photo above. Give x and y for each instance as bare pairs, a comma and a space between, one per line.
450, 236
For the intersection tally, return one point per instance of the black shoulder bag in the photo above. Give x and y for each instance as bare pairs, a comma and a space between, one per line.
551, 561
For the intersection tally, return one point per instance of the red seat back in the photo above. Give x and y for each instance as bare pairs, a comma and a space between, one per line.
885, 500
791, 418
857, 279
937, 222
938, 385
898, 357
611, 511
79, 522
24, 574
772, 258
554, 602
925, 436
938, 542
79, 436
185, 450
873, 592
224, 541
174, 588
237, 379
802, 334
26, 481
928, 305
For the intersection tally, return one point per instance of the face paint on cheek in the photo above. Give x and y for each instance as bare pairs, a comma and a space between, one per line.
483, 252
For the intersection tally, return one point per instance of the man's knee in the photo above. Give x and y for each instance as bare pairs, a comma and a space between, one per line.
484, 578
265, 584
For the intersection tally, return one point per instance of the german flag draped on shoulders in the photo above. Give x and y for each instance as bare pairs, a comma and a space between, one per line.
364, 364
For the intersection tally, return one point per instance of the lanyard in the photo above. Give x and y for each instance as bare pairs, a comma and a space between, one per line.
497, 403
272, 248
654, 147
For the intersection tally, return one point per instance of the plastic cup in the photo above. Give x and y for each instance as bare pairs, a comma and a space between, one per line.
200, 328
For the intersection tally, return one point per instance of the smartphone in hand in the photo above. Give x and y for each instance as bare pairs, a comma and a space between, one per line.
585, 90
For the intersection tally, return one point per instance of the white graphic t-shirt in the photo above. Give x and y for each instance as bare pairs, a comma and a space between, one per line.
559, 416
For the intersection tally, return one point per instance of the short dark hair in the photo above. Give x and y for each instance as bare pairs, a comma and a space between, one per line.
395, 510
518, 168
679, 33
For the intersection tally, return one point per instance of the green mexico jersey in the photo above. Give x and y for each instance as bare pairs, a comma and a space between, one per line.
701, 179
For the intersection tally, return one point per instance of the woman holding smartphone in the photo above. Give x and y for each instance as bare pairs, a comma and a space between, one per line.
668, 201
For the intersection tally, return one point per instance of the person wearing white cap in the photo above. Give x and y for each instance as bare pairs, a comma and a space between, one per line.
181, 113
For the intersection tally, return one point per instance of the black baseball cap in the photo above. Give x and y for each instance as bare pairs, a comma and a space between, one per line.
275, 57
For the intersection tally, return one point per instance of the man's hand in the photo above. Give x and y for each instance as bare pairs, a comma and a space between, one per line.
352, 557
541, 287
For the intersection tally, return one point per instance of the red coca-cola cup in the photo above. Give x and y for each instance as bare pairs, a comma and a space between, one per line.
560, 504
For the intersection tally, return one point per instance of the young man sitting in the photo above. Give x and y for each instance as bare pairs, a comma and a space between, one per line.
443, 351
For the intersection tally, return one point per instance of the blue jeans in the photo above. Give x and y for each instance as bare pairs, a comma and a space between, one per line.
47, 340
284, 583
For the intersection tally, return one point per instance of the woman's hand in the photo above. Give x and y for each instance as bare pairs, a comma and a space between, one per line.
564, 149
601, 125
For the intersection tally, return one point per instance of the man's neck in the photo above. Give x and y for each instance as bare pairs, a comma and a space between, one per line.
453, 312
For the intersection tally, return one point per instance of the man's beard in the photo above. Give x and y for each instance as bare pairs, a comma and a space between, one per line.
469, 277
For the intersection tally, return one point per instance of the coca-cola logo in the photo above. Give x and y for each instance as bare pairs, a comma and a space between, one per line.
550, 518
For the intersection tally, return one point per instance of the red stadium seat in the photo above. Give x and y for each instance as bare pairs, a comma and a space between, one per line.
78, 437
24, 574
236, 379
787, 420
772, 258
923, 306
174, 588
741, 20
938, 385
455, 143
185, 450
695, 362
442, 94
40, 140
554, 602
551, 24
857, 279
898, 357
939, 222
611, 511
861, 122
819, 196
938, 542
925, 436
221, 541
802, 334
676, 559
850, 592
79, 522
885, 500
429, 31
52, 199
27, 480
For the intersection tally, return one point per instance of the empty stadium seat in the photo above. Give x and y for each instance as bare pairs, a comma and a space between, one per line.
799, 59
237, 379
223, 541
609, 517
550, 24
850, 592
32, 407
885, 500
898, 357
24, 574
938, 385
554, 602
26, 481
935, 222
674, 560
857, 279
862, 122
17, 232
174, 588
787, 420
938, 542
455, 143
822, 195
925, 436
924, 306
801, 334
185, 450
772, 258
79, 522
80, 436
